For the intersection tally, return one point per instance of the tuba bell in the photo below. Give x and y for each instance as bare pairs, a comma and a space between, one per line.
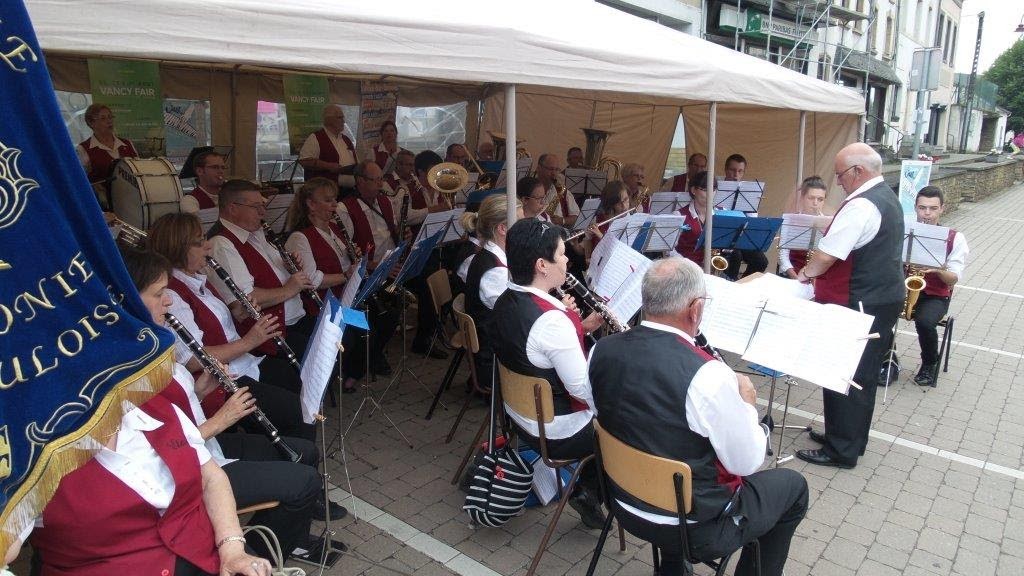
448, 178
594, 158
499, 146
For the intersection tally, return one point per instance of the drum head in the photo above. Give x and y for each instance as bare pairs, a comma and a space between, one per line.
143, 189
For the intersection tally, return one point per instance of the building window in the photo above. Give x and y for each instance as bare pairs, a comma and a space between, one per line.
890, 33
938, 33
918, 14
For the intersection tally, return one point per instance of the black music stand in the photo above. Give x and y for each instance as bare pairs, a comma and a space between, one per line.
790, 382
732, 232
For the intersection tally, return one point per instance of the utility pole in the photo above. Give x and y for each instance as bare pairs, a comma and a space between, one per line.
965, 120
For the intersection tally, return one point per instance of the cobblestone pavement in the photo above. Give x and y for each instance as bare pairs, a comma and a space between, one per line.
939, 491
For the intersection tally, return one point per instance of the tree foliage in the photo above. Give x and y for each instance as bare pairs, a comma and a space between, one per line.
1007, 72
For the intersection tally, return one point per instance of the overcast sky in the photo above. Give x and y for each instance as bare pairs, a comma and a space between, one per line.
1001, 19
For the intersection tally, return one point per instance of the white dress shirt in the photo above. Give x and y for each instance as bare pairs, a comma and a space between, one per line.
957, 259
244, 365
298, 244
856, 224
715, 410
311, 150
190, 205
83, 153
378, 226
553, 343
463, 270
228, 257
570, 201
494, 282
188, 384
417, 215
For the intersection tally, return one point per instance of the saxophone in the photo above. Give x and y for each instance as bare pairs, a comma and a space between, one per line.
552, 206
915, 284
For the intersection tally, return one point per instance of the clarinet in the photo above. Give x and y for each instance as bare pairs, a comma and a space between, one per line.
351, 249
701, 341
228, 384
289, 263
593, 302
252, 311
403, 220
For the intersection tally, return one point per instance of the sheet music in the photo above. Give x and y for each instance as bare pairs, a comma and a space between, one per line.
355, 278
523, 166
744, 196
587, 214
435, 221
664, 232
731, 313
929, 246
321, 354
611, 264
469, 188
774, 286
576, 180
819, 343
795, 233
277, 209
667, 202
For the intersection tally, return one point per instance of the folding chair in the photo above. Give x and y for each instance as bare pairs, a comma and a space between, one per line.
661, 482
470, 345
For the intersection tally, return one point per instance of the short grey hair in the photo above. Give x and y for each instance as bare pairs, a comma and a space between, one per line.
868, 159
669, 285
631, 168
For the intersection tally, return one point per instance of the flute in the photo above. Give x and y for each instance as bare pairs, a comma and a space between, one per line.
211, 365
602, 223
594, 303
252, 311
289, 263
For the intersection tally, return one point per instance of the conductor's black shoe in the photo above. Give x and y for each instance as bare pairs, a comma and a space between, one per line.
820, 458
927, 374
816, 436
337, 511
589, 508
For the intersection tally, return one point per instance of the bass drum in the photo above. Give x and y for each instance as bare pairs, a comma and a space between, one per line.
144, 189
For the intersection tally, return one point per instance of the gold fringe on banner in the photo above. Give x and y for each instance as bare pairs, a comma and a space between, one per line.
64, 455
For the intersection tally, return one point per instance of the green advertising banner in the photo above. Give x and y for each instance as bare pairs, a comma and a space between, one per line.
132, 91
304, 100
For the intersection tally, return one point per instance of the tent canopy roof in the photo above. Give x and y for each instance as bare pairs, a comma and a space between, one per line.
569, 45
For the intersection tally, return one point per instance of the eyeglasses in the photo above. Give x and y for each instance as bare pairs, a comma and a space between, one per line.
378, 179
214, 167
537, 197
255, 206
549, 167
706, 300
843, 173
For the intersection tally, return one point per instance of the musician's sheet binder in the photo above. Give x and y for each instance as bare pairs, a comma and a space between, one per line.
924, 244
615, 274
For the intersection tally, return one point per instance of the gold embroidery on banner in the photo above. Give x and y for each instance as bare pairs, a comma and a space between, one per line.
5, 453
14, 187
19, 53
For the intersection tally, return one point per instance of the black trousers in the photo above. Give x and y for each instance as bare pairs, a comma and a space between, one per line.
771, 504
848, 416
383, 323
755, 261
426, 316
927, 313
281, 407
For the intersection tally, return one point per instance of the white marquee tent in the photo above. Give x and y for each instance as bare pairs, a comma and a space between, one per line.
568, 63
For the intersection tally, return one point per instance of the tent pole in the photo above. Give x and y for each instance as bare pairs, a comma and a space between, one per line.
800, 149
709, 208
510, 151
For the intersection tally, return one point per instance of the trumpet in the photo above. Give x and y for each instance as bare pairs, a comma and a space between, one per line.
915, 284
211, 365
593, 302
128, 235
289, 262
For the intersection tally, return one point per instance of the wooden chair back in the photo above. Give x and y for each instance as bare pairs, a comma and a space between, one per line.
467, 327
521, 393
440, 289
644, 476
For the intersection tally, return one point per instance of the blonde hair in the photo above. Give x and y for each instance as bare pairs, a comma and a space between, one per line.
298, 212
492, 213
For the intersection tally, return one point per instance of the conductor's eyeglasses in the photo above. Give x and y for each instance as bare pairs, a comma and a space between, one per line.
843, 173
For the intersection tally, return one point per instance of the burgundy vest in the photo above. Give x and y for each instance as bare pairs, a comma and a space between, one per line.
203, 197
327, 261
679, 183
95, 525
101, 163
328, 153
934, 286
798, 258
687, 243
362, 236
263, 277
213, 334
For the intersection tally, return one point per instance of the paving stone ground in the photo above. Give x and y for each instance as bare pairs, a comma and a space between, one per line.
939, 491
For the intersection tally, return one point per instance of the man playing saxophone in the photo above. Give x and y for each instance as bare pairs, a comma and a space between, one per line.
933, 302
561, 206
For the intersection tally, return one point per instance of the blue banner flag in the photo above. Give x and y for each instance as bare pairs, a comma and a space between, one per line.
77, 345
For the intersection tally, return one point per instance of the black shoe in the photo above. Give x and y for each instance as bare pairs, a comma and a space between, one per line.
311, 552
435, 352
337, 511
815, 436
589, 509
382, 368
927, 375
820, 458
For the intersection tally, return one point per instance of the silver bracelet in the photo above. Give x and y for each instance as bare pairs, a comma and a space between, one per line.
226, 539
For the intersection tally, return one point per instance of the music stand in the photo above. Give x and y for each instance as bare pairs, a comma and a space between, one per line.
587, 215
582, 182
742, 232
668, 202
659, 233
370, 287
744, 196
790, 382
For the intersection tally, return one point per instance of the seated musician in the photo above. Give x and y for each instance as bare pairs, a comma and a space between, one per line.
812, 194
485, 151
697, 162
735, 169
487, 277
402, 177
198, 305
614, 201
574, 158
633, 178
533, 196
209, 167
372, 223
456, 153
256, 470
385, 153
152, 499
243, 249
102, 150
933, 302
328, 152
696, 214
558, 203
541, 337
689, 407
